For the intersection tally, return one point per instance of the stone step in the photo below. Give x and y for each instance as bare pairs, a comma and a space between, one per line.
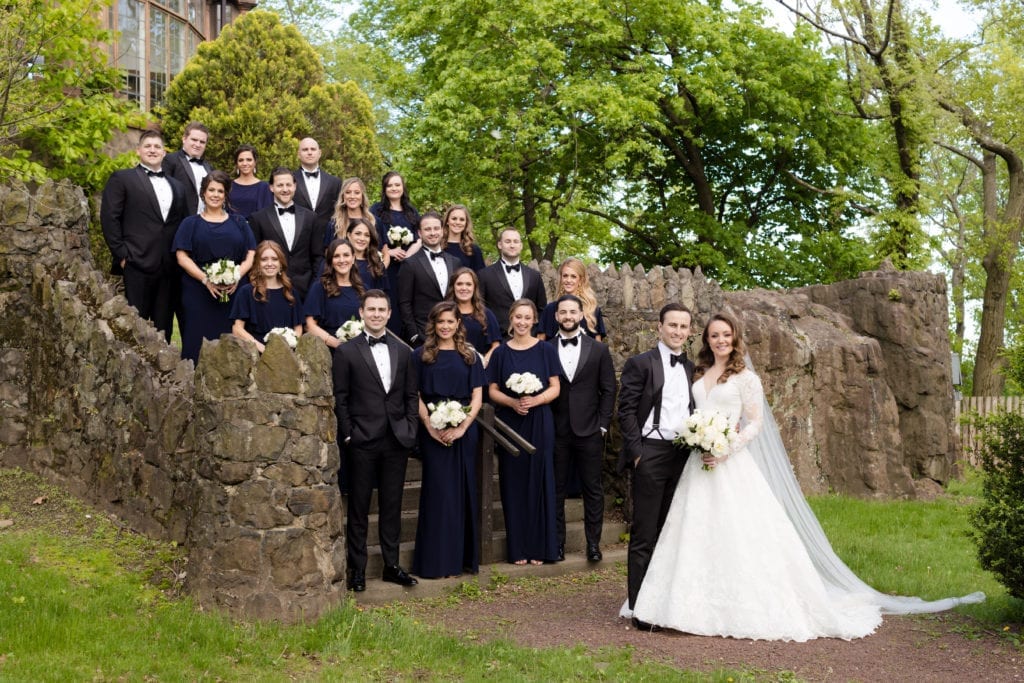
380, 593
575, 542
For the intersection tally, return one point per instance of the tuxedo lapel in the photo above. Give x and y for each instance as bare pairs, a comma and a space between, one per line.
300, 226
275, 223
367, 356
657, 373
586, 345
145, 187
300, 190
393, 355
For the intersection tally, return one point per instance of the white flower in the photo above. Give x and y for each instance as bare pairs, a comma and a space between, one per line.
350, 329
286, 332
523, 384
444, 414
708, 431
399, 235
223, 272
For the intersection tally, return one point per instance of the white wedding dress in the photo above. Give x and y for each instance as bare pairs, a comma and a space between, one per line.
729, 562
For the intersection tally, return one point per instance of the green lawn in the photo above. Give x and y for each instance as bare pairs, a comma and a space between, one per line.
82, 600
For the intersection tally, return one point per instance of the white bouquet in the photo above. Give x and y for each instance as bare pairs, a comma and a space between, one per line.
708, 431
397, 235
286, 332
523, 383
350, 329
223, 272
444, 414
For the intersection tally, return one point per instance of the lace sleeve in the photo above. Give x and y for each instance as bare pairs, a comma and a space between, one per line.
752, 401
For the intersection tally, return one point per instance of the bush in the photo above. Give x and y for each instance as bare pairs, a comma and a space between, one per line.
999, 521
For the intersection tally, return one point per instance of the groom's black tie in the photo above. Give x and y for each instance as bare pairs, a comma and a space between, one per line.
674, 359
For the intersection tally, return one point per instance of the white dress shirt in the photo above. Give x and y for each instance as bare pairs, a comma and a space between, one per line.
164, 195
675, 400
440, 270
287, 221
383, 361
312, 186
515, 278
569, 354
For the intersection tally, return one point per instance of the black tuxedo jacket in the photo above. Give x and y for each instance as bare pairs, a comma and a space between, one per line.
134, 227
177, 165
584, 406
497, 295
365, 412
418, 291
330, 188
640, 390
307, 247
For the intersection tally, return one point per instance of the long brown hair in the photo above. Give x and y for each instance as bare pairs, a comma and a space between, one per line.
583, 292
706, 357
430, 347
259, 283
373, 258
466, 239
329, 279
519, 303
341, 217
479, 312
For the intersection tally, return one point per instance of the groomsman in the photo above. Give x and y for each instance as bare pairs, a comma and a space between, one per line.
423, 279
139, 213
583, 413
293, 227
315, 188
377, 404
509, 280
654, 401
188, 166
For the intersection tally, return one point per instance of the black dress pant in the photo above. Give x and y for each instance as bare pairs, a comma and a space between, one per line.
587, 452
384, 462
654, 481
154, 295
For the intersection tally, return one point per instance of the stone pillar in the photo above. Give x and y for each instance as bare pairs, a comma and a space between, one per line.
266, 540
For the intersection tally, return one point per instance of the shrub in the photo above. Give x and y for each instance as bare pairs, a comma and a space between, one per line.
999, 520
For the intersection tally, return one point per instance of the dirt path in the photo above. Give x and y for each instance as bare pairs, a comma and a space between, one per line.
582, 609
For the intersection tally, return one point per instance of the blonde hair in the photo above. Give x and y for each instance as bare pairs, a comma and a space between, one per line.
341, 217
583, 292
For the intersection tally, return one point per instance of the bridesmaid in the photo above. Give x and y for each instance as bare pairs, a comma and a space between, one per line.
266, 301
482, 329
201, 240
371, 265
573, 279
458, 236
527, 481
248, 194
334, 298
448, 369
352, 204
395, 210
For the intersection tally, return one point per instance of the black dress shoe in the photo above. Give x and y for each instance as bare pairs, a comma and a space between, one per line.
398, 575
644, 626
357, 582
594, 552
560, 557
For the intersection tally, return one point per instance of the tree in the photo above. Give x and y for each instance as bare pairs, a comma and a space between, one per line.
58, 96
261, 83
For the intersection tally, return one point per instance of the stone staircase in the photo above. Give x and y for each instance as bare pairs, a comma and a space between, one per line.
575, 541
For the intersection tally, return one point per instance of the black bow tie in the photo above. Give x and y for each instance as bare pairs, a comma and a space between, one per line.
376, 340
509, 269
435, 255
312, 174
282, 210
195, 160
675, 359
154, 174
571, 340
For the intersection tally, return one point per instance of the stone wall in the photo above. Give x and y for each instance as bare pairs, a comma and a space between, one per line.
237, 460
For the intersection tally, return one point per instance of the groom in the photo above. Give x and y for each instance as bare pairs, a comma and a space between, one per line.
654, 401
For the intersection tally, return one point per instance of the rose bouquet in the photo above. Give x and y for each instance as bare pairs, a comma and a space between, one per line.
523, 383
708, 431
285, 332
444, 414
399, 236
350, 329
223, 272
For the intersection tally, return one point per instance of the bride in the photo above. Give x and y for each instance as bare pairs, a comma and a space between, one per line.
741, 554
